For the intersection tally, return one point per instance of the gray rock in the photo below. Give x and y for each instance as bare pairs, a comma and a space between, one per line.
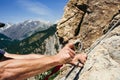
103, 61
89, 20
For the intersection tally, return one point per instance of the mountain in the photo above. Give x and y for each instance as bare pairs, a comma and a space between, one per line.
5, 41
25, 29
7, 25
43, 42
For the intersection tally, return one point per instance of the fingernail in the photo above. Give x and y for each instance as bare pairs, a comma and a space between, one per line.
80, 65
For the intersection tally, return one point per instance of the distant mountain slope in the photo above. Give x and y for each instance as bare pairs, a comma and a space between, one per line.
43, 42
2, 36
37, 40
4, 41
25, 29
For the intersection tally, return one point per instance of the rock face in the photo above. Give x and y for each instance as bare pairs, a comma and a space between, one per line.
89, 21
104, 61
86, 19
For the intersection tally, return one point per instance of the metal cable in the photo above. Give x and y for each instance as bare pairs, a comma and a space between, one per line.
99, 41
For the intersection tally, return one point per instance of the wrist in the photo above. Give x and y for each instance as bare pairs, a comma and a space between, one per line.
57, 59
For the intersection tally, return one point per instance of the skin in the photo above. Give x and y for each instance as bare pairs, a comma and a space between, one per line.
21, 67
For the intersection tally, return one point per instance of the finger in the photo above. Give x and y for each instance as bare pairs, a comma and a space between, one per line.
80, 65
72, 51
83, 58
77, 64
70, 45
85, 55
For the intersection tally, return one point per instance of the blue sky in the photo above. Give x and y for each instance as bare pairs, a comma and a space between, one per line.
14, 11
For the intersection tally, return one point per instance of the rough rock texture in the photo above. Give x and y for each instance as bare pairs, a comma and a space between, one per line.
89, 20
86, 19
103, 61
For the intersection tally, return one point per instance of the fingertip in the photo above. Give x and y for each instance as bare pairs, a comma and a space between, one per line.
71, 45
85, 56
80, 65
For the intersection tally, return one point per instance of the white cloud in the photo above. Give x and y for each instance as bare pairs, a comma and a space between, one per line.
35, 7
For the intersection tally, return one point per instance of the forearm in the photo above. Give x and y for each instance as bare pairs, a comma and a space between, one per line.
21, 69
46, 64
28, 56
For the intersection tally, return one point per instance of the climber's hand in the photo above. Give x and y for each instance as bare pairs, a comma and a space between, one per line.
79, 57
67, 54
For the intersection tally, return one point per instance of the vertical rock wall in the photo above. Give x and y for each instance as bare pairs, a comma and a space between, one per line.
86, 20
89, 20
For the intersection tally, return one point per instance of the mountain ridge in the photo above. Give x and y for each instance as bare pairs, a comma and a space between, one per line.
29, 44
24, 29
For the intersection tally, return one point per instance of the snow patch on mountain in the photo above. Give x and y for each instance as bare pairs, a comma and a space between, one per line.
24, 29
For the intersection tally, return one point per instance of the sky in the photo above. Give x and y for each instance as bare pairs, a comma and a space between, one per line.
15, 11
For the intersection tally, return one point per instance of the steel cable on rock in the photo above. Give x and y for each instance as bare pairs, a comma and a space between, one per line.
98, 42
